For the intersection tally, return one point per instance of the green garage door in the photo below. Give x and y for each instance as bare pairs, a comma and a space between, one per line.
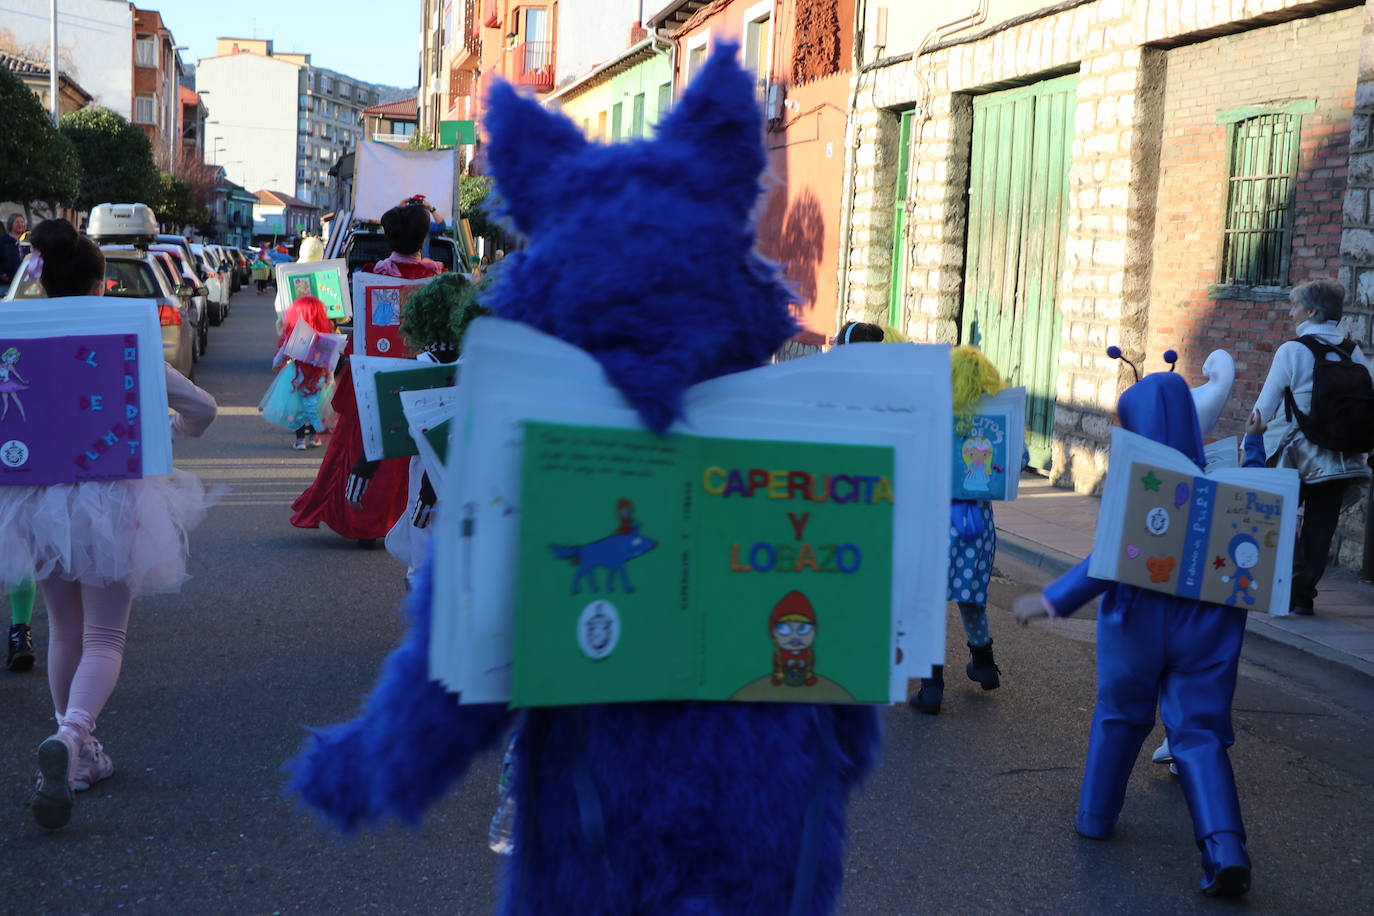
1018, 217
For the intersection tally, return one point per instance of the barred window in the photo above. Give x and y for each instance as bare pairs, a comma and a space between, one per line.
1259, 201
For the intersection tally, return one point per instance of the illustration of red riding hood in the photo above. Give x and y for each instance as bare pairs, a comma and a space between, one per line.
792, 626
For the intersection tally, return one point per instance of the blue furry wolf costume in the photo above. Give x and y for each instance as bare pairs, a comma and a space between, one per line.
642, 254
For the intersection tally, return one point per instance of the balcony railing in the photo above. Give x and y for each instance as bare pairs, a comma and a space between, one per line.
534, 65
397, 139
460, 84
472, 33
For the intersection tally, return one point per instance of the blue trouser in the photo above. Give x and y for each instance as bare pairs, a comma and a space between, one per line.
1185, 656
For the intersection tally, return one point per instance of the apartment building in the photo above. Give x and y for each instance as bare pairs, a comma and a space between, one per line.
95, 44
278, 120
449, 97
126, 58
156, 86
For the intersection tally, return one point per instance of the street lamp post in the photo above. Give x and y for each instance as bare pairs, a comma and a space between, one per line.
52, 67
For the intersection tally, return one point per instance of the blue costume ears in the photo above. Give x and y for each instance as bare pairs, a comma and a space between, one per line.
715, 130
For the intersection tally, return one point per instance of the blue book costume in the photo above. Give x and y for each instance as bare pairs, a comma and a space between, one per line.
1180, 653
632, 808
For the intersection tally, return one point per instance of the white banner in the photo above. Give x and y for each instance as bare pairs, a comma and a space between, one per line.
387, 175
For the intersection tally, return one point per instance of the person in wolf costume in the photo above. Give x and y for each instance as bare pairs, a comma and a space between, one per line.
641, 253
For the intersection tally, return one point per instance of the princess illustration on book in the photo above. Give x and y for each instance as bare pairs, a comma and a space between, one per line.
11, 383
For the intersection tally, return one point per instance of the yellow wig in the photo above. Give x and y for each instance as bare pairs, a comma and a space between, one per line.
973, 376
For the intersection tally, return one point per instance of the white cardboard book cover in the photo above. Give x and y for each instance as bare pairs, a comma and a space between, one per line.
513, 374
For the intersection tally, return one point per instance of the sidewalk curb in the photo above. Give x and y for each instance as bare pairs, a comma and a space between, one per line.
1041, 563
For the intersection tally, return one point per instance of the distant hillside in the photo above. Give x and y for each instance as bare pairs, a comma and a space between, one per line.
396, 93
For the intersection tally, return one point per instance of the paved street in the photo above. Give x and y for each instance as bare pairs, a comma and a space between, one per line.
971, 811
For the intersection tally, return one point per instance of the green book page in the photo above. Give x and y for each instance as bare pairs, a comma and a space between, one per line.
599, 614
682, 567
396, 440
437, 436
792, 570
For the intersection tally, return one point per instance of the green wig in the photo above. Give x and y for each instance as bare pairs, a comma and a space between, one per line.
439, 313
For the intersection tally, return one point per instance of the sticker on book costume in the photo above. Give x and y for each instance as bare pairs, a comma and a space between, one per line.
13, 454
598, 630
1157, 522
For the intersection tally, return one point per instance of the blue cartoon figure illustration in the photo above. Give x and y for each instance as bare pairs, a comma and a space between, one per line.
1245, 554
11, 383
386, 307
609, 553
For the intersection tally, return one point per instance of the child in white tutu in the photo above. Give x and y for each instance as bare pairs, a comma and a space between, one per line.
296, 397
93, 546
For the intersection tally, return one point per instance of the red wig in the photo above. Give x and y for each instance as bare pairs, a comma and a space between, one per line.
309, 379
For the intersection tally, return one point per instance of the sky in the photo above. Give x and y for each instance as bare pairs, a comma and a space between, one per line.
376, 42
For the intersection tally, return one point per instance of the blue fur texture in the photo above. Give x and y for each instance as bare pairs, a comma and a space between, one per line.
640, 253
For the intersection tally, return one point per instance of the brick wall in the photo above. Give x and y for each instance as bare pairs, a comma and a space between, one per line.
1314, 58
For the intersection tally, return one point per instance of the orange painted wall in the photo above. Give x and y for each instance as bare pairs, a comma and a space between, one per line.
800, 218
799, 225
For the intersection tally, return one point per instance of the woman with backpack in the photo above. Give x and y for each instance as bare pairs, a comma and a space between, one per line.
1323, 424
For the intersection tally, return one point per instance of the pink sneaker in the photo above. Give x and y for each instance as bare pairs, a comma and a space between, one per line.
53, 797
92, 766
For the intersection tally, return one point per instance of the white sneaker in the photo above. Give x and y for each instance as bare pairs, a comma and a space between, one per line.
1162, 754
92, 766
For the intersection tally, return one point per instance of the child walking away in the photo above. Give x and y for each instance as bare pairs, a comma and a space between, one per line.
972, 541
262, 271
1153, 649
92, 547
362, 499
20, 655
435, 320
293, 399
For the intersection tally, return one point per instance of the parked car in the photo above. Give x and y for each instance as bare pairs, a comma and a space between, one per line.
239, 264
134, 274
230, 265
367, 246
170, 269
190, 288
218, 282
192, 277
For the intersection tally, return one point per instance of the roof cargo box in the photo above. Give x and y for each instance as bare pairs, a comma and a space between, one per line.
122, 223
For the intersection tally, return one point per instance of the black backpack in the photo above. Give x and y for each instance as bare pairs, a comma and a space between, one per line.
1342, 417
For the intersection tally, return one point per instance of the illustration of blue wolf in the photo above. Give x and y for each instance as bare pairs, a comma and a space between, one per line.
610, 553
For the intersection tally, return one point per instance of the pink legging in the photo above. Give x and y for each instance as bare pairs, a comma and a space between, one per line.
86, 629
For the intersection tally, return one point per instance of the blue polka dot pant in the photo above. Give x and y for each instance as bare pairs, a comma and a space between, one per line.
970, 571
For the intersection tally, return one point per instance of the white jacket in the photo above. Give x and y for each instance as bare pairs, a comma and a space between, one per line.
1293, 368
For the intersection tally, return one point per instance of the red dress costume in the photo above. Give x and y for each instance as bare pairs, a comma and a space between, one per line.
384, 500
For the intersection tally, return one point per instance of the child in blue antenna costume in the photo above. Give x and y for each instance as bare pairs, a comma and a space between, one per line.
1153, 648
642, 254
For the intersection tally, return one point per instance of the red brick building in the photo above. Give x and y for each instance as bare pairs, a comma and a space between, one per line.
157, 100
1250, 196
